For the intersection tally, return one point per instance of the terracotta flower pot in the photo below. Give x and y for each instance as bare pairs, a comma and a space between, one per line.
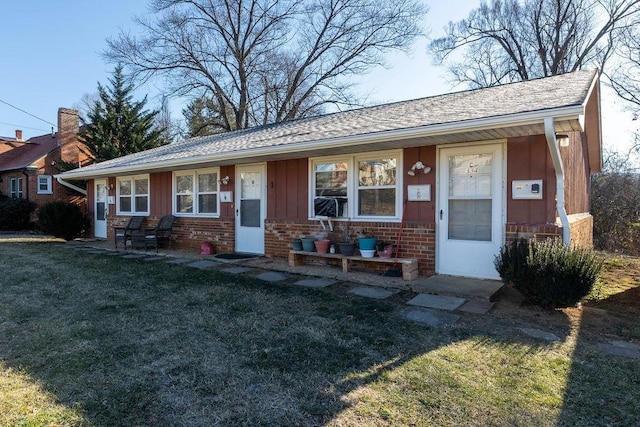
322, 245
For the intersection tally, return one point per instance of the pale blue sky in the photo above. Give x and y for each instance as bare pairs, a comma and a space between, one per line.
51, 57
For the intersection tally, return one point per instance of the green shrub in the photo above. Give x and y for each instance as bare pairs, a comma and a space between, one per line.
62, 219
15, 214
549, 273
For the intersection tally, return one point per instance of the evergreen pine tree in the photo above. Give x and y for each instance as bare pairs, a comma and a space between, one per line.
117, 125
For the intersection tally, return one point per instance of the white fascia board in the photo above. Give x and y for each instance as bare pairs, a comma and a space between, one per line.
519, 119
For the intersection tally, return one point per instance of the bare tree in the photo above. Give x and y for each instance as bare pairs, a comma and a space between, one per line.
509, 40
264, 61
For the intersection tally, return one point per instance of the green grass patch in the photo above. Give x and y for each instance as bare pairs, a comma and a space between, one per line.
96, 340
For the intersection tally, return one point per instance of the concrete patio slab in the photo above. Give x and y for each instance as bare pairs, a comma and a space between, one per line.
436, 301
427, 317
179, 260
155, 258
373, 292
476, 306
459, 286
203, 264
540, 334
315, 282
236, 270
273, 276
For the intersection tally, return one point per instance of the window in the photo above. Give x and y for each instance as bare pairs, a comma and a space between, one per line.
44, 184
133, 195
196, 193
366, 186
15, 188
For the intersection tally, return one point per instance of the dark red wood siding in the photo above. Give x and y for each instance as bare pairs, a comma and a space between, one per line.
420, 211
287, 189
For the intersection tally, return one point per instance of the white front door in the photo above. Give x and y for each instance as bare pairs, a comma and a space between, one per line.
100, 208
250, 208
470, 219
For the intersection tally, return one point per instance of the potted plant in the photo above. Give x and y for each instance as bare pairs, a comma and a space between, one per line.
347, 242
366, 241
322, 245
385, 249
308, 243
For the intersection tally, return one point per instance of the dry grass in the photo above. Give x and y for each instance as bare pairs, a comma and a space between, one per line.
96, 340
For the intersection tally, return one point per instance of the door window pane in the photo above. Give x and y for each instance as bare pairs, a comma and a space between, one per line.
470, 175
470, 220
250, 188
250, 213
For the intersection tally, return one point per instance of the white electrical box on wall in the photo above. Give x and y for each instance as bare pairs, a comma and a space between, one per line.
526, 189
111, 200
419, 193
226, 196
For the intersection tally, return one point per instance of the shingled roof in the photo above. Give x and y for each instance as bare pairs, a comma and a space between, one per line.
433, 120
26, 153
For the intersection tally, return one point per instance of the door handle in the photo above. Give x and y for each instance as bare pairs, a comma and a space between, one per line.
237, 211
440, 214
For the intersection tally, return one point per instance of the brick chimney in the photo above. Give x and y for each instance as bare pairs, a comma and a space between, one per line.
68, 128
18, 135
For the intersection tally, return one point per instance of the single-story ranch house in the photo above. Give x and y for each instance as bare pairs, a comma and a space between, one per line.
460, 174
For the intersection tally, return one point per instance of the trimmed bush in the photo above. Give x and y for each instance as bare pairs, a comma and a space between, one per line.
549, 273
62, 219
15, 214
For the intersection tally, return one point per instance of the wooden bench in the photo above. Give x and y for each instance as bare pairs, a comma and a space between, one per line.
409, 265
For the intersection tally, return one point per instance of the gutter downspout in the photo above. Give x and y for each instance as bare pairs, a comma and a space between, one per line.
71, 186
550, 133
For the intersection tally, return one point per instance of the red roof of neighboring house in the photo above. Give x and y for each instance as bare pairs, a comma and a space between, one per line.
29, 152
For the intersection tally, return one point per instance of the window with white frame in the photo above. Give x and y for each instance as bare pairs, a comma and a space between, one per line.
370, 184
132, 195
44, 184
196, 192
15, 188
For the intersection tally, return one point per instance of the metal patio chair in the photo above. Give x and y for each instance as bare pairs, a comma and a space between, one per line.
123, 234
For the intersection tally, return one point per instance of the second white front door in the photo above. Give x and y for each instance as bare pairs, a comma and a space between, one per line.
470, 210
100, 208
250, 206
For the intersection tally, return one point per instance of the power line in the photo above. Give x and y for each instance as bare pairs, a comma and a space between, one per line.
26, 112
23, 127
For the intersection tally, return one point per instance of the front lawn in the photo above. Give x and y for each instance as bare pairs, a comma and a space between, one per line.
93, 339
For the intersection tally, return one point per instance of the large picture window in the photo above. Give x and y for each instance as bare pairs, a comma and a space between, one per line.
133, 195
196, 193
370, 184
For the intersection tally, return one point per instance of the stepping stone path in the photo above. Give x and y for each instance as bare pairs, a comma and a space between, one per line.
203, 264
621, 348
179, 261
428, 317
155, 258
315, 282
436, 301
273, 276
133, 256
538, 333
236, 270
476, 306
372, 292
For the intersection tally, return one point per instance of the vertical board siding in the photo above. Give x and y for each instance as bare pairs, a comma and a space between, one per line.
420, 211
287, 189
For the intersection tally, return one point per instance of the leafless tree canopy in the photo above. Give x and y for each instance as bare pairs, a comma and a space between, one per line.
510, 40
265, 61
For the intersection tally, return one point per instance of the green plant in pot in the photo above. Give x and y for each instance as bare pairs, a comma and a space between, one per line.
347, 243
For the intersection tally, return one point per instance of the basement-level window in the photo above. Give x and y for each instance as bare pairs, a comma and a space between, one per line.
195, 193
367, 186
132, 195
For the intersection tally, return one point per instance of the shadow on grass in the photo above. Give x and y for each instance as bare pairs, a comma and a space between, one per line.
131, 342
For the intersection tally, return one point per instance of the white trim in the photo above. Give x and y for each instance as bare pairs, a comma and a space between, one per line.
352, 184
48, 184
518, 119
194, 173
133, 195
554, 152
16, 193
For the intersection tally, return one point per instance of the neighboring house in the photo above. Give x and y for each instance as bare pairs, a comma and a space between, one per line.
27, 168
460, 174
